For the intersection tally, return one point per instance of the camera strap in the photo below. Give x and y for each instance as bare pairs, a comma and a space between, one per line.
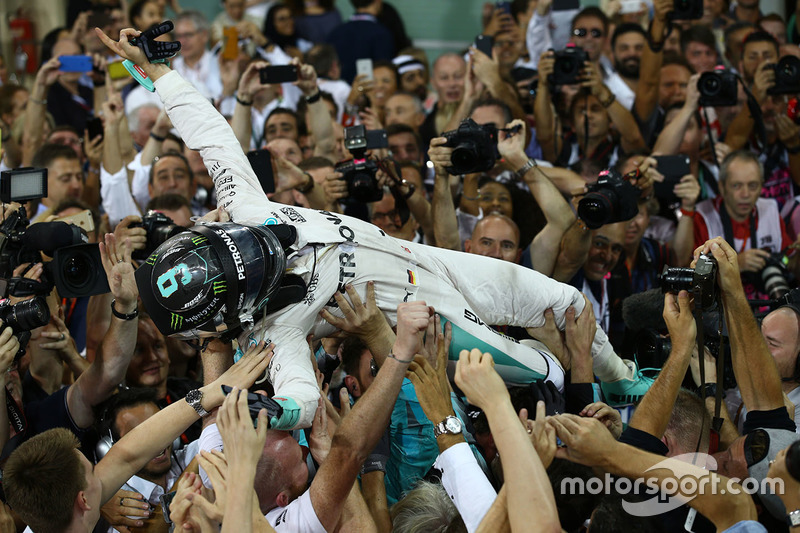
756, 115
727, 227
710, 137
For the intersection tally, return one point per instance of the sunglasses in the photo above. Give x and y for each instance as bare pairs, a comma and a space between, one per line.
581, 32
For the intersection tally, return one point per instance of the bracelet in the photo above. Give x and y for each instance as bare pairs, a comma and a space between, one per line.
315, 98
123, 316
687, 213
400, 360
794, 150
520, 174
611, 100
158, 138
308, 186
35, 101
246, 104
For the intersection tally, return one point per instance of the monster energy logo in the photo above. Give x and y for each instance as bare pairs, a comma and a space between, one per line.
218, 287
176, 322
198, 240
152, 259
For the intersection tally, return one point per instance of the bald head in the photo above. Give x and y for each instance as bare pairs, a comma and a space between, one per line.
495, 236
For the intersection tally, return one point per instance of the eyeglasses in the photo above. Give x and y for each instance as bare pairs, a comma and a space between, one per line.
187, 35
582, 32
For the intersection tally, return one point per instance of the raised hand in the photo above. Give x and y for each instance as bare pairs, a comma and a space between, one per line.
116, 260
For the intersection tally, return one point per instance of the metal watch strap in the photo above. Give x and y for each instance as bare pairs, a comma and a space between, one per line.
520, 174
793, 518
195, 398
441, 427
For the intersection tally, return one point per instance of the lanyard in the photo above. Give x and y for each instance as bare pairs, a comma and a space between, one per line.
727, 227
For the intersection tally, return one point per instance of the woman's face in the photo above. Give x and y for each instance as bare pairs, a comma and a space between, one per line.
284, 22
150, 15
495, 198
385, 85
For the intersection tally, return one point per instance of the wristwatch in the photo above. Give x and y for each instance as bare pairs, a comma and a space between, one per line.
450, 425
793, 518
193, 398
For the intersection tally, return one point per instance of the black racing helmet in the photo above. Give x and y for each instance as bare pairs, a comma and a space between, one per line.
211, 278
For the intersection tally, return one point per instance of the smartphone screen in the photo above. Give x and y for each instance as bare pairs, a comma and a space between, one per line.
95, 127
364, 66
75, 63
278, 74
566, 5
673, 167
261, 161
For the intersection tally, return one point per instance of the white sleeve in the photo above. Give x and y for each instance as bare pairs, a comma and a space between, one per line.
209, 440
297, 517
141, 178
537, 37
466, 484
202, 128
116, 195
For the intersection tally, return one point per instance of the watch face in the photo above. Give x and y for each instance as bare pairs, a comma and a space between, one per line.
453, 425
192, 396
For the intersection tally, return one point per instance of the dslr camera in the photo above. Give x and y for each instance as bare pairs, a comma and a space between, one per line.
776, 276
474, 147
718, 88
787, 76
159, 227
360, 172
612, 198
686, 10
23, 317
700, 281
568, 65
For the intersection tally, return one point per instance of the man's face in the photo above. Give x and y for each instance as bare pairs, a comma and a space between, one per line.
129, 418
281, 126
595, 112
147, 119
401, 109
589, 34
495, 198
489, 114
734, 44
385, 216
741, 188
64, 180
234, 9
753, 55
414, 82
636, 226
193, 42
673, 84
494, 237
776, 28
607, 246
19, 100
404, 147
692, 137
149, 366
732, 462
508, 48
628, 52
779, 329
448, 79
701, 57
181, 217
286, 148
68, 138
171, 175
93, 490
673, 42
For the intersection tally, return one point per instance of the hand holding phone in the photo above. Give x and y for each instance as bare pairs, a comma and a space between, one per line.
364, 67
278, 74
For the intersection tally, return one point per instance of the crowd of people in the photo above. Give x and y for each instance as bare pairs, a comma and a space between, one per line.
565, 257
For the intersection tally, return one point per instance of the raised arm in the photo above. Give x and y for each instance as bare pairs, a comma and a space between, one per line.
650, 69
671, 136
249, 85
445, 221
543, 110
320, 122
630, 137
36, 109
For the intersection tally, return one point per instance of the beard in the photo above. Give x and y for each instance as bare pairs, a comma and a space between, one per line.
628, 68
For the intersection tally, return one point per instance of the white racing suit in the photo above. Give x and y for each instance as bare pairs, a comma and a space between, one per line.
333, 250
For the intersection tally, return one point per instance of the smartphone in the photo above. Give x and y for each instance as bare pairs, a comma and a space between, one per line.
261, 161
256, 402
95, 127
566, 5
83, 220
504, 6
673, 167
484, 43
630, 6
230, 38
364, 66
75, 63
278, 74
116, 71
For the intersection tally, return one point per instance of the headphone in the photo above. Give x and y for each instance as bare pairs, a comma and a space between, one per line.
106, 441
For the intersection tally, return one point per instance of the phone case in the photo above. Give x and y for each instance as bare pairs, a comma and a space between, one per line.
75, 63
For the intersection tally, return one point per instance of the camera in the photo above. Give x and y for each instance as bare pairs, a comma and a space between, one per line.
686, 10
568, 65
775, 276
612, 198
360, 172
159, 227
718, 88
474, 147
699, 281
24, 316
787, 76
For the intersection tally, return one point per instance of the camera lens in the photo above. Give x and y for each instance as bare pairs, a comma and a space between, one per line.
709, 84
566, 64
464, 156
595, 209
677, 279
774, 282
76, 270
29, 314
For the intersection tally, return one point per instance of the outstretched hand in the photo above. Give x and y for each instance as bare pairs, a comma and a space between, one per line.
116, 259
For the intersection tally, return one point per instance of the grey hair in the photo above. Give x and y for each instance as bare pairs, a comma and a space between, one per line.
133, 117
741, 155
418, 106
426, 509
195, 17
